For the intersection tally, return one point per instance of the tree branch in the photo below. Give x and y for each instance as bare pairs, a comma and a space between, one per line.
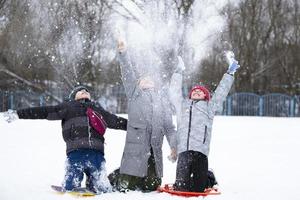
4, 70
132, 16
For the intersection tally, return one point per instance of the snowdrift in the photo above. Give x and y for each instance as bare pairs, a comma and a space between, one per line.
253, 158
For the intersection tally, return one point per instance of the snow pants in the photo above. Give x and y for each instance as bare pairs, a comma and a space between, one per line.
91, 163
191, 172
124, 182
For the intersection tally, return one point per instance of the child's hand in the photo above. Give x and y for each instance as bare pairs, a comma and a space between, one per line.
173, 156
121, 45
10, 115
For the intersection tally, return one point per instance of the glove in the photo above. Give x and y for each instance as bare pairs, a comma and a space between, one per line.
233, 64
180, 65
233, 67
10, 115
173, 156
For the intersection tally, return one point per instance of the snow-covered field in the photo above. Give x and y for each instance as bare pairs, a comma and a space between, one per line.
253, 158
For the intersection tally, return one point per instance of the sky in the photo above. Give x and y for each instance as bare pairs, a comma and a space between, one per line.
252, 157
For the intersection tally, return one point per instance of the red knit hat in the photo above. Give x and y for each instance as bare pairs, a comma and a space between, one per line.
203, 89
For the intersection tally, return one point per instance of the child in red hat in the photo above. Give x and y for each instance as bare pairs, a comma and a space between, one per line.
194, 126
200, 91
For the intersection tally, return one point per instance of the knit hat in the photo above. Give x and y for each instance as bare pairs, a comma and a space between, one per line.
203, 89
77, 89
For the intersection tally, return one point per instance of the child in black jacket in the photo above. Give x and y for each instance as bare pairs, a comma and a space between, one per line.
83, 135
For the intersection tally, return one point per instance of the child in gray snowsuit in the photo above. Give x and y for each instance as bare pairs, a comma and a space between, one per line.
149, 120
195, 118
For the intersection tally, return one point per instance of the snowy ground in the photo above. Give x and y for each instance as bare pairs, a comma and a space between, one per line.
253, 158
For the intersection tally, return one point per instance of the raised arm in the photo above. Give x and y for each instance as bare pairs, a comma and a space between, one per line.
226, 83
129, 78
222, 91
176, 96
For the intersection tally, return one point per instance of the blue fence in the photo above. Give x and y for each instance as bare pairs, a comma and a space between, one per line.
21, 99
237, 104
274, 104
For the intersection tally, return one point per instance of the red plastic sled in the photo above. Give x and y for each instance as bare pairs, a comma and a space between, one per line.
168, 188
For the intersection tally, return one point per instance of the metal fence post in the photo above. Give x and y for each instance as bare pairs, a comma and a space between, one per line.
297, 106
292, 107
229, 105
1, 101
41, 100
11, 100
261, 106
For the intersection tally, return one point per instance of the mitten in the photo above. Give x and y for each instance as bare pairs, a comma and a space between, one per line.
233, 64
10, 115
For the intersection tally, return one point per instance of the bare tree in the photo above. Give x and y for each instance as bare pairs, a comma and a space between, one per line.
48, 46
265, 37
63, 42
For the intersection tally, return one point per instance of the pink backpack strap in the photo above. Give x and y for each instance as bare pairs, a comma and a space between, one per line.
97, 121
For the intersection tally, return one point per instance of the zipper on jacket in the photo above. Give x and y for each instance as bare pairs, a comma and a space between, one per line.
205, 134
89, 130
190, 124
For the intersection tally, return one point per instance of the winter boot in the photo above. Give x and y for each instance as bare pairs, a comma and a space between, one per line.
211, 179
113, 178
